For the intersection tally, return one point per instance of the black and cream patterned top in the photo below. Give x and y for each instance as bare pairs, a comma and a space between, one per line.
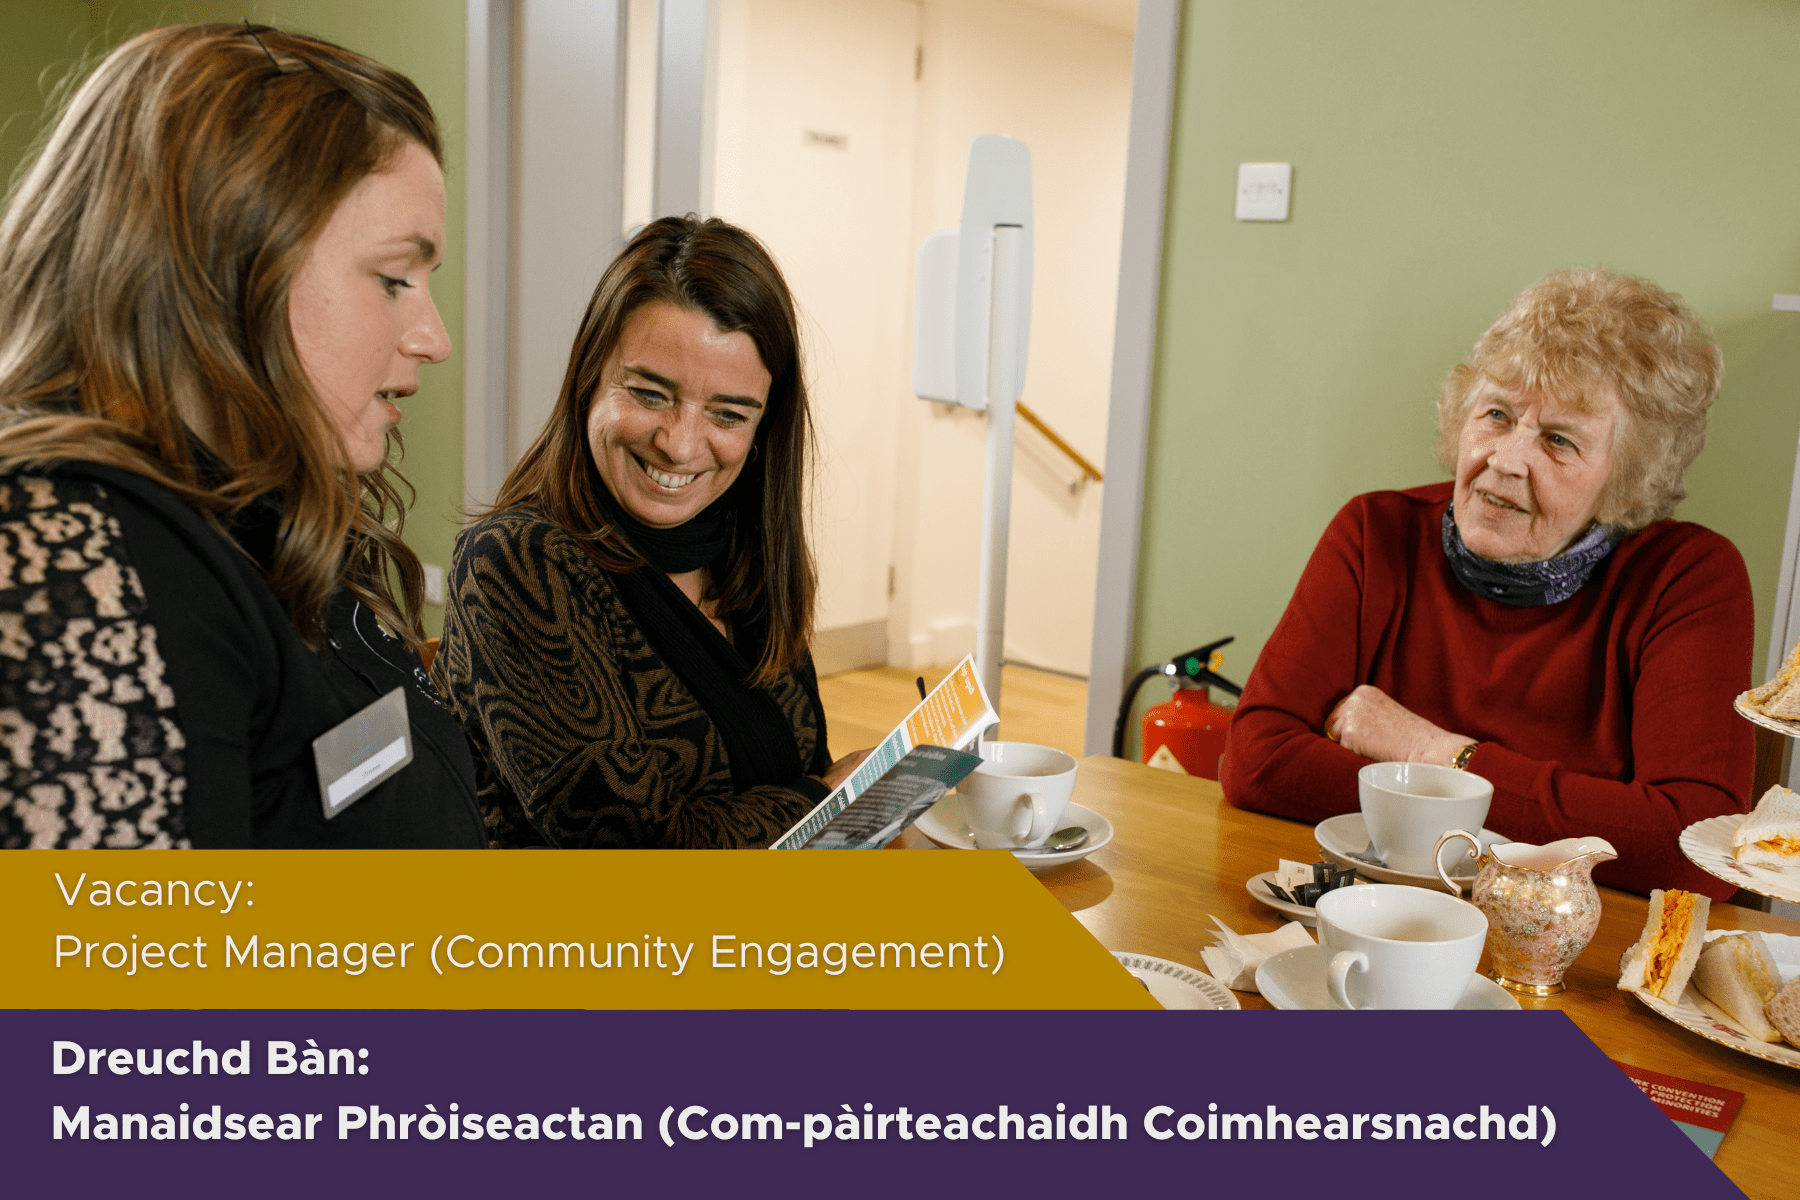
154, 693
582, 735
92, 754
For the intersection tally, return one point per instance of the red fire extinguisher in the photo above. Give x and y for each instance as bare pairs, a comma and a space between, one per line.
1187, 733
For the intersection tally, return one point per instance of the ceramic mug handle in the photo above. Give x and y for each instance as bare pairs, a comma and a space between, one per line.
1342, 963
1438, 860
1031, 819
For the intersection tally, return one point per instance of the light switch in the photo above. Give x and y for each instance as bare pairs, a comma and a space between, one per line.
1262, 191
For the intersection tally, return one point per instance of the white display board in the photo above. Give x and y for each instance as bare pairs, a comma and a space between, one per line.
971, 340
1784, 621
1784, 624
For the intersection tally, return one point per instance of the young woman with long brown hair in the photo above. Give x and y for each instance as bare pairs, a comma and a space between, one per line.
213, 287
626, 631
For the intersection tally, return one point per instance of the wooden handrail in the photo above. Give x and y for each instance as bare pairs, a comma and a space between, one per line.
1037, 423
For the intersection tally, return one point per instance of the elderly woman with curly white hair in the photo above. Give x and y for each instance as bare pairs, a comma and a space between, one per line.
1539, 620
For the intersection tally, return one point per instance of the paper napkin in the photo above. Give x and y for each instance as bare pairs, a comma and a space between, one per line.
1235, 957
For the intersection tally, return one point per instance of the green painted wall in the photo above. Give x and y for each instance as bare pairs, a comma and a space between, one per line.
42, 41
422, 38
1446, 156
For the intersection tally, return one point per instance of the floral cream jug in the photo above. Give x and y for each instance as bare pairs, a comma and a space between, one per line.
1541, 904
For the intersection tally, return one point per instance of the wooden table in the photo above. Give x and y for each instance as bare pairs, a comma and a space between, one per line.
1180, 854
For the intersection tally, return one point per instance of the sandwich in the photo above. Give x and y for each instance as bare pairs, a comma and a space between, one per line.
1784, 1012
1664, 956
1770, 835
1736, 973
1780, 697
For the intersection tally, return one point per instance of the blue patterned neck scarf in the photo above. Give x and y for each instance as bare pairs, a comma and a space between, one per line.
1530, 584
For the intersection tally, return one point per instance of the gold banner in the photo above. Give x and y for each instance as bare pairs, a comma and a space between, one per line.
453, 929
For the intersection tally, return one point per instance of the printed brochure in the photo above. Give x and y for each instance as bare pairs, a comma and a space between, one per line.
950, 716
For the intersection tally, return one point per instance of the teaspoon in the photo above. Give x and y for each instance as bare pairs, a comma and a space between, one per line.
1070, 837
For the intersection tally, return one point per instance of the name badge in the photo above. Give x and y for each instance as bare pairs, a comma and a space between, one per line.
371, 746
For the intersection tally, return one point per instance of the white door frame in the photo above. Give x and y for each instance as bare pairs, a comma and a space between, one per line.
681, 181
545, 209
1155, 53
486, 221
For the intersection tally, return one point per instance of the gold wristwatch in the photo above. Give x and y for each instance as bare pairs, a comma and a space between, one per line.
1461, 761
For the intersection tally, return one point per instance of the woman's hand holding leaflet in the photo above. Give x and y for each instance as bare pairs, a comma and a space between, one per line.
841, 769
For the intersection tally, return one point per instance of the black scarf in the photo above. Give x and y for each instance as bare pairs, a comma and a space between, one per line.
1529, 584
695, 543
758, 737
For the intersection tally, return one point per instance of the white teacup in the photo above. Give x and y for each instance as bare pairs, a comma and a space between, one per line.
1407, 807
1390, 946
1014, 799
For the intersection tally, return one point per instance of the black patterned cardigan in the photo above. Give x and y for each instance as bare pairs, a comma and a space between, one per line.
583, 737
153, 692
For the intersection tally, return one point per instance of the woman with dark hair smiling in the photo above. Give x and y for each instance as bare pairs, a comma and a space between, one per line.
214, 285
626, 631
1539, 620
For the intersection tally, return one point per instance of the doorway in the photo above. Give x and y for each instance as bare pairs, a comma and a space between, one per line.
840, 134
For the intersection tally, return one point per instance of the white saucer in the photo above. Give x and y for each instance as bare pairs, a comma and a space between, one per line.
1341, 837
1256, 885
1174, 986
1296, 979
943, 823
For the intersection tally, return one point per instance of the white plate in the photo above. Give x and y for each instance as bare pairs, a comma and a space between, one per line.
1694, 1011
1175, 986
943, 823
1296, 979
1708, 846
1256, 886
1341, 837
1790, 728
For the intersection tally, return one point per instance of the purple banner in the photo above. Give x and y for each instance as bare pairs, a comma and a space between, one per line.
338, 1104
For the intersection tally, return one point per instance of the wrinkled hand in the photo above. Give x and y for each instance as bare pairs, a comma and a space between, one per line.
1373, 724
840, 770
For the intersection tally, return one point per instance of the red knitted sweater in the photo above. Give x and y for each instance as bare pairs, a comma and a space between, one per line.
1608, 714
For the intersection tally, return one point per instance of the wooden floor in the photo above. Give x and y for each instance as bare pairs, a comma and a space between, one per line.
1035, 706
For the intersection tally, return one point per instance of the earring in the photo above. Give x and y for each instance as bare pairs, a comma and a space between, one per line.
752, 456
